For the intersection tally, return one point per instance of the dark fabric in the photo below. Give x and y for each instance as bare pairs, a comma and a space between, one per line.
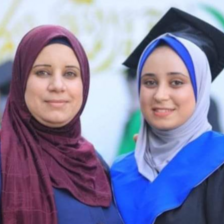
204, 205
6, 72
60, 40
35, 157
208, 38
71, 211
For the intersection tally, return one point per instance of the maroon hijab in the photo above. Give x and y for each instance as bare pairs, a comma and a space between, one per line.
36, 158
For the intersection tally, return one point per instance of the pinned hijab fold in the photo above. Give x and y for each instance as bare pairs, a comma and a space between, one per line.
36, 158
155, 148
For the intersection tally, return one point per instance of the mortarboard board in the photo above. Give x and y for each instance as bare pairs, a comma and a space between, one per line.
208, 38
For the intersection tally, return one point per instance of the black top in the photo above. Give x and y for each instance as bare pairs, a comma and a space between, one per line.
204, 205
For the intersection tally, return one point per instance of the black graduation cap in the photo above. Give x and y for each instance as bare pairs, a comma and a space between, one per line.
182, 24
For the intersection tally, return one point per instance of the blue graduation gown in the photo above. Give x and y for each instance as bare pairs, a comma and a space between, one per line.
190, 189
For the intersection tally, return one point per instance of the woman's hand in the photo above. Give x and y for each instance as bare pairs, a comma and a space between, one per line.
135, 137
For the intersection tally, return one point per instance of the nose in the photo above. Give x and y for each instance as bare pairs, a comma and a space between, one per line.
57, 83
161, 93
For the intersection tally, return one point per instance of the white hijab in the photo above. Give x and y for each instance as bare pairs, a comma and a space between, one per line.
155, 148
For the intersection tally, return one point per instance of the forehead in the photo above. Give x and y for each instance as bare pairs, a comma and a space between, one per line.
57, 52
163, 51
164, 59
53, 48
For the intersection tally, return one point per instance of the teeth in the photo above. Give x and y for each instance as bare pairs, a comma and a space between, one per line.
162, 110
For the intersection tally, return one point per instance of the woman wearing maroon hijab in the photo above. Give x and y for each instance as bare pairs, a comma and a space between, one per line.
50, 173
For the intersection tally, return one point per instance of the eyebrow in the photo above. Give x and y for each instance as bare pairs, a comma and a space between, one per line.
72, 66
46, 65
169, 73
148, 74
177, 73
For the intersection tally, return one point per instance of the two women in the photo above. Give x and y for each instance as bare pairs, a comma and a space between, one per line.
176, 174
50, 174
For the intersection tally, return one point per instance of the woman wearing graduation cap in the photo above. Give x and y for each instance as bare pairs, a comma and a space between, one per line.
49, 173
176, 174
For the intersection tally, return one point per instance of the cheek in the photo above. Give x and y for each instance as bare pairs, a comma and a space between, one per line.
145, 97
34, 88
186, 95
80, 98
186, 101
30, 94
33, 94
76, 91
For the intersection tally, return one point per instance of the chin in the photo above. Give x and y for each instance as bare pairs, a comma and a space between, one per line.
54, 122
163, 126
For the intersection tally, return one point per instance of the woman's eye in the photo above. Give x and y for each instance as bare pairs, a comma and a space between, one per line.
176, 83
70, 74
150, 83
41, 73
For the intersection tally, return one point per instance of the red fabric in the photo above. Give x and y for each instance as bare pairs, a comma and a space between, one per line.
36, 158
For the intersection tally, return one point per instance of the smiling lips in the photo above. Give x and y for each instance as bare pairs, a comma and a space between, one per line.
162, 112
56, 103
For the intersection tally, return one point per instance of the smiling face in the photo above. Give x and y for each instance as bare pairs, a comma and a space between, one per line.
166, 94
54, 90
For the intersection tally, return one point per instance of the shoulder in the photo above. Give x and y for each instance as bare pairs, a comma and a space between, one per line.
216, 140
217, 136
217, 177
211, 139
125, 158
214, 195
101, 159
103, 163
124, 163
